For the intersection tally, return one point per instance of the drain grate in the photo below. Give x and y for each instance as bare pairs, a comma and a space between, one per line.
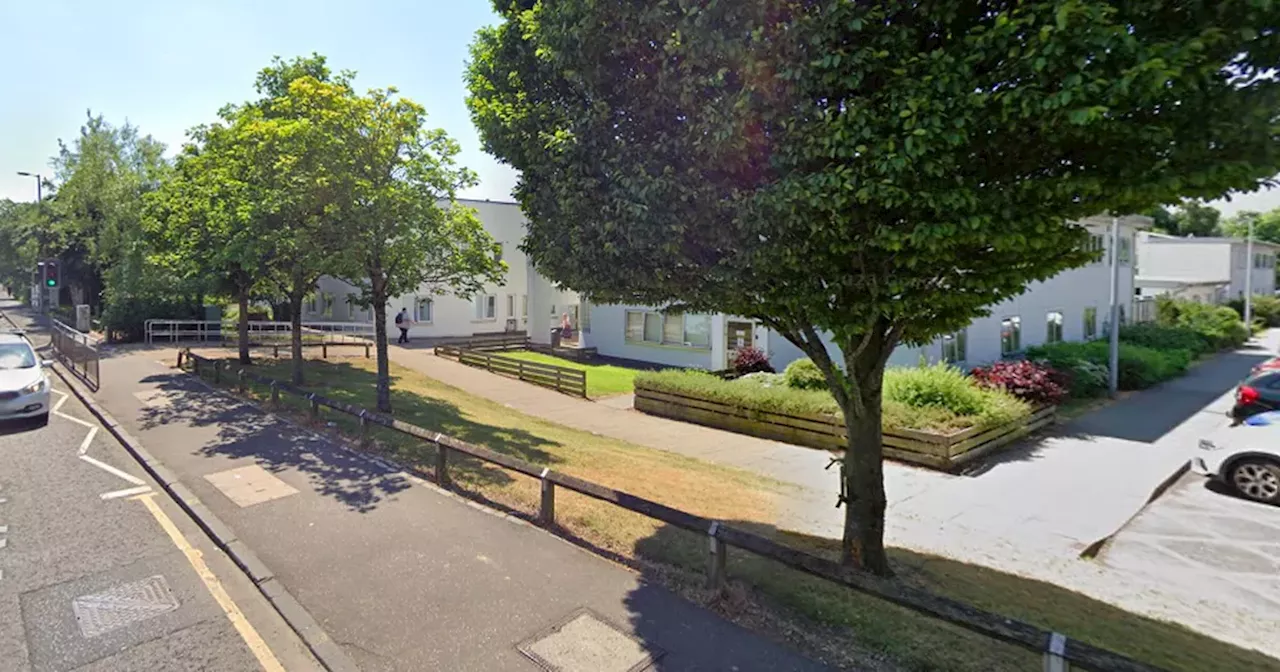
585, 642
123, 605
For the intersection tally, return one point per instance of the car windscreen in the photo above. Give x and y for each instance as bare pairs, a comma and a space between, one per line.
16, 356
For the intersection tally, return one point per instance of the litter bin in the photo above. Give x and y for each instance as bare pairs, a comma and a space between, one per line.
555, 337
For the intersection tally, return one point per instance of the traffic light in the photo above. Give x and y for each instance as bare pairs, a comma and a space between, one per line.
51, 276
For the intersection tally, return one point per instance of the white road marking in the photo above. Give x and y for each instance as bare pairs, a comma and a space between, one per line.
112, 470
84, 445
140, 490
61, 401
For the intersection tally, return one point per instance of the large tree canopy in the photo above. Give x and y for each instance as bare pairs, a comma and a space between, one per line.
880, 171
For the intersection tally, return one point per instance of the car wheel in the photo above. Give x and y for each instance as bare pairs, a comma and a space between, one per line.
1257, 479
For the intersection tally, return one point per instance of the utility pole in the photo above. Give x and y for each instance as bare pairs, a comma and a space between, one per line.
1248, 280
1113, 370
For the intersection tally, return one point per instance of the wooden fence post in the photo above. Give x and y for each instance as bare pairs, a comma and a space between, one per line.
366, 351
1053, 655
179, 359
716, 556
442, 466
547, 509
275, 393
559, 383
275, 351
324, 351
217, 371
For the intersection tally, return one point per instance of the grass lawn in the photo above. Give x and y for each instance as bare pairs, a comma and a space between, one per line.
845, 628
603, 380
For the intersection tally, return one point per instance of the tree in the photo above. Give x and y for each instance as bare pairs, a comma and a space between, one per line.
1194, 218
1266, 225
402, 229
858, 175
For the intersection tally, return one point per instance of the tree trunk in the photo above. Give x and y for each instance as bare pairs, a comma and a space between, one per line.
295, 336
242, 324
380, 344
862, 543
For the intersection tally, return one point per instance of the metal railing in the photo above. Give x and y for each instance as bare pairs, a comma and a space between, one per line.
77, 351
1059, 651
260, 331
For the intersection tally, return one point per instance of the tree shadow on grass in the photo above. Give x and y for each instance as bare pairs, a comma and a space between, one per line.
359, 483
868, 628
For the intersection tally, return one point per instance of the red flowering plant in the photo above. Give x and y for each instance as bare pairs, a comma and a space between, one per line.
749, 359
1029, 381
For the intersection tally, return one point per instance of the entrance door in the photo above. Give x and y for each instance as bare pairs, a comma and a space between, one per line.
739, 334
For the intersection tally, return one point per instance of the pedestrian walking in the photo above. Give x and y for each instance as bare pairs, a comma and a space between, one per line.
402, 323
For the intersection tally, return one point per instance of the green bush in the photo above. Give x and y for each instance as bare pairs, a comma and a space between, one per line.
913, 398
124, 318
1218, 325
803, 374
1140, 367
1163, 337
1265, 309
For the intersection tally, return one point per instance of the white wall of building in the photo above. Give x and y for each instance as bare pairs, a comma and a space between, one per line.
1204, 259
451, 316
1069, 294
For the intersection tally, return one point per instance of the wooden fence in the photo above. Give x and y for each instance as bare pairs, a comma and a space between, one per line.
940, 451
1058, 650
488, 343
559, 378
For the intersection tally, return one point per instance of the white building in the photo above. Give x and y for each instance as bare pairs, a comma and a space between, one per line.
1070, 306
499, 308
1210, 270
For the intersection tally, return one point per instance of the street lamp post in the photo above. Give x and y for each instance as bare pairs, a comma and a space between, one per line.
1248, 279
39, 184
1113, 335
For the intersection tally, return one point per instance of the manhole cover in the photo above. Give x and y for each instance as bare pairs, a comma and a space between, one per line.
250, 485
587, 643
123, 605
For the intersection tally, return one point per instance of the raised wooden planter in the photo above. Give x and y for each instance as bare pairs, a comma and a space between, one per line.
940, 451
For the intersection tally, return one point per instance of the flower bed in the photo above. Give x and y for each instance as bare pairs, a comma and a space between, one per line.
934, 416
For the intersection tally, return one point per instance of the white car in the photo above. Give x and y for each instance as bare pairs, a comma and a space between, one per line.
24, 385
1246, 457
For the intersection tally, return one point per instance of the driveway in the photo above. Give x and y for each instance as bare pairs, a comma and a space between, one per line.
1210, 548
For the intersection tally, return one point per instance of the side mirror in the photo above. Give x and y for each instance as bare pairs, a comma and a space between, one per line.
46, 363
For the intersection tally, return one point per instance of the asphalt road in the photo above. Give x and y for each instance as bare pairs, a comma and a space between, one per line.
100, 570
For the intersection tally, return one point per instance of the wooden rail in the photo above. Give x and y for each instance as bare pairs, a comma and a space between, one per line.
559, 378
940, 451
1058, 650
512, 341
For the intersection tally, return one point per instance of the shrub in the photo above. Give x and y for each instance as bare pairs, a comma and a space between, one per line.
1140, 367
1029, 381
803, 374
750, 360
986, 408
1264, 308
1164, 337
1218, 325
762, 378
940, 385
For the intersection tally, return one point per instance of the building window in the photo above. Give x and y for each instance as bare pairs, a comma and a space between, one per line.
511, 305
1096, 244
1053, 327
1239, 258
423, 308
955, 348
1090, 323
328, 301
674, 329
584, 317
524, 306
1010, 335
1126, 250
486, 307
310, 304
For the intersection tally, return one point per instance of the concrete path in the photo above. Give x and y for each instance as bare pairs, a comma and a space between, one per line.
401, 575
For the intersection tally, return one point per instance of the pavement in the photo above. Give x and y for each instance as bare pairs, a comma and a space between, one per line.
404, 576
99, 570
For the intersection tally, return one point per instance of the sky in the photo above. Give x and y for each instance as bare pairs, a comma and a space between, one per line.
166, 66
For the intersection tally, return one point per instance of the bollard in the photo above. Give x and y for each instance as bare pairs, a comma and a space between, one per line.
275, 393
240, 381
442, 466
366, 351
716, 556
547, 509
1053, 655
324, 351
275, 351
364, 430
217, 371
315, 409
